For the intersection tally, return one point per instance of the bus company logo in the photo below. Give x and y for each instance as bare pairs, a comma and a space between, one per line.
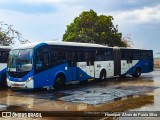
6, 114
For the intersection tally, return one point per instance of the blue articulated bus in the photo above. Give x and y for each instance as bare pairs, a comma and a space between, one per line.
46, 64
4, 52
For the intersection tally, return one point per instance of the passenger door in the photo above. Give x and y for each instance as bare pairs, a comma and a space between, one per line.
81, 66
72, 56
129, 59
89, 56
42, 75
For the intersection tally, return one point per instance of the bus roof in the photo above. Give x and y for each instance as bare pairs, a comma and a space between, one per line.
35, 44
133, 48
32, 45
5, 47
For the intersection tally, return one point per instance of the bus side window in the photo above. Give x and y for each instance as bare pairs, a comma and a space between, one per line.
42, 58
100, 55
4, 56
72, 57
123, 54
108, 55
45, 59
136, 55
38, 62
129, 56
0, 57
68, 57
81, 57
57, 56
89, 57
150, 57
144, 55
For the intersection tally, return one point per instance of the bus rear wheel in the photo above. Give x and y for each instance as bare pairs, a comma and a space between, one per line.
59, 82
137, 72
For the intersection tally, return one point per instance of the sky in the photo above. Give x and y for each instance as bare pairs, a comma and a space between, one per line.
44, 20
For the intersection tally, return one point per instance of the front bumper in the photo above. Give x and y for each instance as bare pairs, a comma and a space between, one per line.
26, 84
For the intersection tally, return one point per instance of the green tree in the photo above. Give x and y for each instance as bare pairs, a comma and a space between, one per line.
91, 28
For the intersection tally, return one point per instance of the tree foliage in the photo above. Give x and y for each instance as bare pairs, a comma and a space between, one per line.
9, 36
91, 28
4, 39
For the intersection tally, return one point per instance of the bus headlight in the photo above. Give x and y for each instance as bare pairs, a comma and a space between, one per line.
29, 79
29, 83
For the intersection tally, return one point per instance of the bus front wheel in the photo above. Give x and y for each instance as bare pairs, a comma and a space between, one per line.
59, 82
137, 72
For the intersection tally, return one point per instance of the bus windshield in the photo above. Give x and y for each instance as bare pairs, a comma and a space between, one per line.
20, 60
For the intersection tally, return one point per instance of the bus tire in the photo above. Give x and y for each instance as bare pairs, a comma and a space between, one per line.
59, 82
103, 75
3, 82
137, 72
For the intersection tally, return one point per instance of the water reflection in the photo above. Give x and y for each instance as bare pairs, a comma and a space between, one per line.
25, 103
43, 100
132, 102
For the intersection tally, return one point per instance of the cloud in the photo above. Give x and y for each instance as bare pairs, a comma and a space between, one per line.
29, 1
36, 23
41, 26
142, 23
38, 1
139, 16
38, 6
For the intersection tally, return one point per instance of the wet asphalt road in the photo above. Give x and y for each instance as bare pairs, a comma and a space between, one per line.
116, 94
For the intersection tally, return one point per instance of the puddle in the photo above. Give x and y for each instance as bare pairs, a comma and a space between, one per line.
3, 107
97, 95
